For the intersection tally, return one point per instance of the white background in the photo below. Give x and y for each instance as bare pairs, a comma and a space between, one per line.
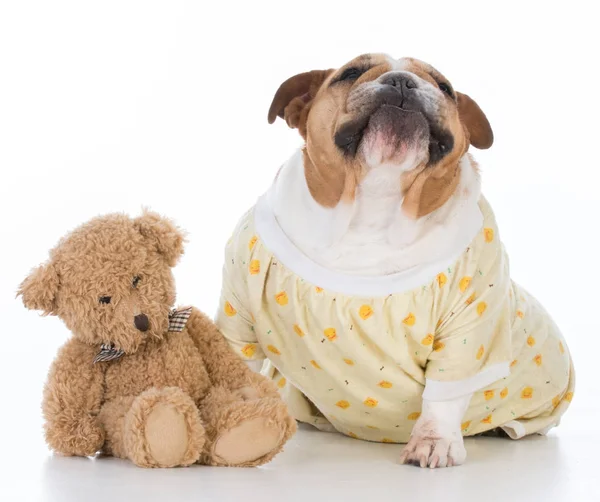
114, 105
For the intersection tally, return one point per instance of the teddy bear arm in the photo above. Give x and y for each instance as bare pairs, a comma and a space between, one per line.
224, 367
72, 399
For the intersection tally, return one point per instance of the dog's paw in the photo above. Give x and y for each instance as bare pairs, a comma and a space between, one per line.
428, 448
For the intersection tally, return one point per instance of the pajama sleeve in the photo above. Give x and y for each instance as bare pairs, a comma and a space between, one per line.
472, 342
234, 317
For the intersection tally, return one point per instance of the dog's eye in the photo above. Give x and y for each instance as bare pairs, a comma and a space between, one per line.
350, 74
446, 89
136, 280
104, 300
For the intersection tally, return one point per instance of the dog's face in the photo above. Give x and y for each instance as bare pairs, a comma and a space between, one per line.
376, 111
110, 280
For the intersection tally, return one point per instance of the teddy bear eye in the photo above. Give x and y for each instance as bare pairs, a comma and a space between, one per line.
104, 299
136, 281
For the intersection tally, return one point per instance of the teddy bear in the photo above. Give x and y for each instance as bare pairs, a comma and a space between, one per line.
139, 379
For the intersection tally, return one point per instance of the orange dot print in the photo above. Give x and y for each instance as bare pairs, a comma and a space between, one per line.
409, 320
438, 346
372, 427
481, 306
229, 310
281, 298
298, 330
480, 353
488, 394
349, 362
471, 299
527, 393
365, 312
343, 404
520, 314
330, 334
488, 233
384, 384
441, 280
530, 341
315, 364
538, 360
414, 416
504, 393
249, 350
465, 425
428, 340
252, 242
514, 363
254, 267
318, 289
561, 347
387, 440
464, 284
371, 402
487, 420
569, 396
273, 349
556, 401
281, 383
352, 435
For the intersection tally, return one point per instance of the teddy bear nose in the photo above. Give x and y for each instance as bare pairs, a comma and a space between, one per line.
141, 322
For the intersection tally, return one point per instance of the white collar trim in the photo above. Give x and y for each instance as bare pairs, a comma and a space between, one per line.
275, 239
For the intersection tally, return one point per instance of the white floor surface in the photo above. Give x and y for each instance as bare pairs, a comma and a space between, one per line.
319, 466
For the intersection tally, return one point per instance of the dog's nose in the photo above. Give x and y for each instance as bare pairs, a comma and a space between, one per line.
401, 81
141, 322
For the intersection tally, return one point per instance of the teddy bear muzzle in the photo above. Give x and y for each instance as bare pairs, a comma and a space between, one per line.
141, 322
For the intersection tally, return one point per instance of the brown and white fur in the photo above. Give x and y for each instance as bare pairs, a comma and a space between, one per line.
383, 177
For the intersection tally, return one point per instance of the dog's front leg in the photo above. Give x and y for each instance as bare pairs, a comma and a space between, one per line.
436, 439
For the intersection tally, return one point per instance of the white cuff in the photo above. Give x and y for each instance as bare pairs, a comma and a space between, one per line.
514, 429
444, 391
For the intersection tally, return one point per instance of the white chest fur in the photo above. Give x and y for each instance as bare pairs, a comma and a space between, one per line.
372, 236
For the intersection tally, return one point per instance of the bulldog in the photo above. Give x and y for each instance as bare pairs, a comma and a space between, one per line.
370, 281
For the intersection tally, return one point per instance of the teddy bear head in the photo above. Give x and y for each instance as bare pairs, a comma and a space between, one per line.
110, 280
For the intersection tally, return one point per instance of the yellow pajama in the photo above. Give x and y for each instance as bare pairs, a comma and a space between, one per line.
360, 363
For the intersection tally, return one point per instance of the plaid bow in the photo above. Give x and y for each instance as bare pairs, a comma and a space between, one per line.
108, 352
177, 321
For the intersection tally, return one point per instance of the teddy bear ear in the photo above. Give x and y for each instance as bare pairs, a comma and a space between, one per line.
162, 234
39, 289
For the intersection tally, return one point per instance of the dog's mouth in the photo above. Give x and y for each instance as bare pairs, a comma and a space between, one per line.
398, 118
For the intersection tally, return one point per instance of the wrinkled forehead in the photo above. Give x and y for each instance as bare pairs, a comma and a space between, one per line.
378, 64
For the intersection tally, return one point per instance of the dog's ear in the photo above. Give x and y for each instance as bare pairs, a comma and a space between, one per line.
162, 235
475, 121
39, 289
293, 99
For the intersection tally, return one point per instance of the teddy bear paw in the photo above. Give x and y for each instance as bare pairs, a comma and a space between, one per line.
164, 429
248, 442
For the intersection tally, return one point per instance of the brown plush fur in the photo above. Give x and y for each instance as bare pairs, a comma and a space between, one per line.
173, 396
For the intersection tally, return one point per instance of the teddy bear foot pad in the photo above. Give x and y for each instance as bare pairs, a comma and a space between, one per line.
164, 429
257, 436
